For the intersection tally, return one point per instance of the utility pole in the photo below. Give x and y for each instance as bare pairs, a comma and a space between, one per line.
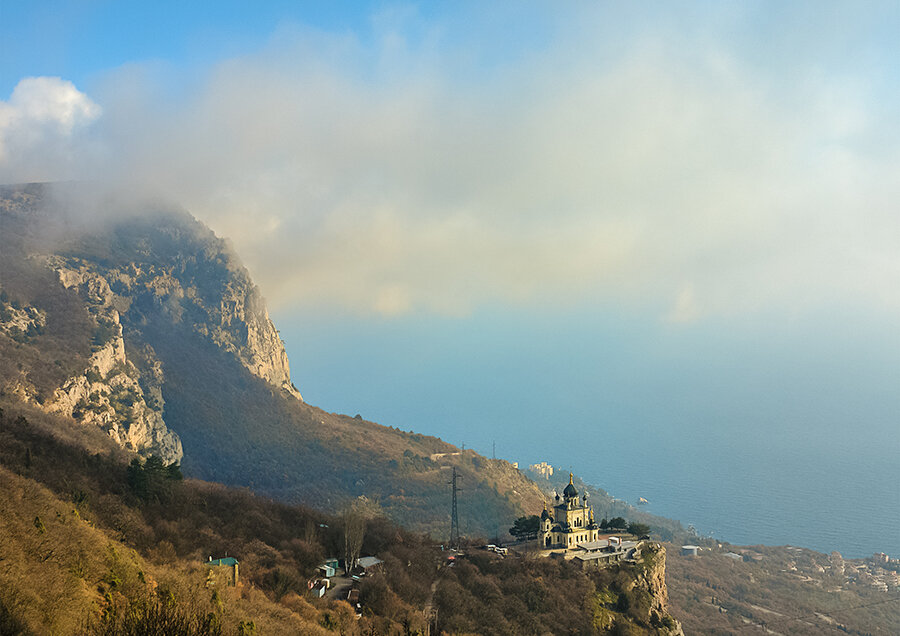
454, 517
493, 450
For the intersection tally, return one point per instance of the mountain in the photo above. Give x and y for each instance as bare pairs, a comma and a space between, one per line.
130, 330
133, 317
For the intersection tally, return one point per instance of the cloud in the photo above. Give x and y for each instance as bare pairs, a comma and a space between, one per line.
414, 170
38, 126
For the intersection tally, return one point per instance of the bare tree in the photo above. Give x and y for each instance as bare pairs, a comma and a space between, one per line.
310, 534
354, 524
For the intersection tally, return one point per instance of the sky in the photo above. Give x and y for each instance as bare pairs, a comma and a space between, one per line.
485, 220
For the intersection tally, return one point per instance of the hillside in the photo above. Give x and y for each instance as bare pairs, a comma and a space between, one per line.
82, 548
87, 548
136, 319
784, 590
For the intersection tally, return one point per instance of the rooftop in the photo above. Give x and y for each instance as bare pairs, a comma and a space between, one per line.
592, 556
223, 561
369, 561
594, 545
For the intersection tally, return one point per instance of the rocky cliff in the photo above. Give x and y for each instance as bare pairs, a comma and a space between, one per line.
632, 596
651, 579
170, 268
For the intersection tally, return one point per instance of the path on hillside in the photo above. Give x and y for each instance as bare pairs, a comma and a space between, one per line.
429, 612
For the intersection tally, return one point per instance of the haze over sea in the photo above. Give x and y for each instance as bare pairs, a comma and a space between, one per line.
718, 431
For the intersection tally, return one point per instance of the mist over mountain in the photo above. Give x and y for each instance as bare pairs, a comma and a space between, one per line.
133, 317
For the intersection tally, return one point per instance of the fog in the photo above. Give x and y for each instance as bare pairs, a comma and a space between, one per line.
722, 166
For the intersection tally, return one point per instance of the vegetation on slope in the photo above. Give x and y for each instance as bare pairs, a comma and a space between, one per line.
90, 542
487, 594
82, 546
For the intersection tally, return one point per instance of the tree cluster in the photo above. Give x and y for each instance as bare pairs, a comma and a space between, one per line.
152, 480
526, 527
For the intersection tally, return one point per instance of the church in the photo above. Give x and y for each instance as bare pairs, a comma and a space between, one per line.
570, 523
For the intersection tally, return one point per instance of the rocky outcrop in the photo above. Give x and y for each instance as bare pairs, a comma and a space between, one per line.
121, 392
241, 325
111, 392
233, 315
632, 597
157, 271
110, 396
650, 579
18, 322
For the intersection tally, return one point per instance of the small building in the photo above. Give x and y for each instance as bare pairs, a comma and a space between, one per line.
230, 564
369, 564
603, 551
598, 559
689, 550
327, 570
318, 589
734, 556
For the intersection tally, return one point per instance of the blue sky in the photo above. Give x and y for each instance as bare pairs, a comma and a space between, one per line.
78, 39
479, 220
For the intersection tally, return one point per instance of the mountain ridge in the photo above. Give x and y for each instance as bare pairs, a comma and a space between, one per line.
153, 331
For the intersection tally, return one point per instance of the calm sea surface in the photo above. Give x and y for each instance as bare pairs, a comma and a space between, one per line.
754, 437
847, 500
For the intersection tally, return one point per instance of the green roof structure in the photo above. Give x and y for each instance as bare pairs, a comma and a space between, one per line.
223, 561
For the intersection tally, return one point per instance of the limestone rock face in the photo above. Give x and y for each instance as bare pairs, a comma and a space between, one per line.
652, 578
244, 329
120, 390
230, 312
92, 281
112, 393
22, 320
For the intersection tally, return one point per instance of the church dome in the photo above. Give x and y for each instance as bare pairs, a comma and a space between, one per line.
545, 515
570, 490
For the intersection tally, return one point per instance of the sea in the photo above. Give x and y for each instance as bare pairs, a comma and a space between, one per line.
828, 499
787, 437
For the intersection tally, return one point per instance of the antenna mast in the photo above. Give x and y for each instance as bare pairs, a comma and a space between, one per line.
454, 517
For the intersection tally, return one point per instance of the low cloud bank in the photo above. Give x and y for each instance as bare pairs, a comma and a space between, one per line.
662, 165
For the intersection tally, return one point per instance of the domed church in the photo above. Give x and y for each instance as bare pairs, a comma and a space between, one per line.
570, 523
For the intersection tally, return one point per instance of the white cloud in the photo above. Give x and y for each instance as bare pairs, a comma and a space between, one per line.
37, 126
613, 161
